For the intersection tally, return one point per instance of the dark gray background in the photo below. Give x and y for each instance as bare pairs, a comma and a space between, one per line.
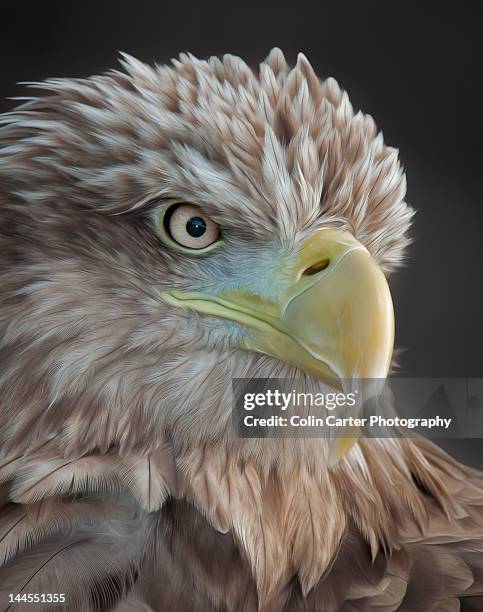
417, 68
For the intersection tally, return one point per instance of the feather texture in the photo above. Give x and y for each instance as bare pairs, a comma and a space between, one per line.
121, 483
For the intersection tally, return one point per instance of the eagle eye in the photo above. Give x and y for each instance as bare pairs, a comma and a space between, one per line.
187, 226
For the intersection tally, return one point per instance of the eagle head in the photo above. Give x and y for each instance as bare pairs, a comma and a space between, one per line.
167, 229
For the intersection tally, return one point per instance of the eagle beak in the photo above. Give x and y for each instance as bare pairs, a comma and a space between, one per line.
335, 320
333, 317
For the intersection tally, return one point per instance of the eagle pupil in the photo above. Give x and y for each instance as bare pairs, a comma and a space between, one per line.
196, 227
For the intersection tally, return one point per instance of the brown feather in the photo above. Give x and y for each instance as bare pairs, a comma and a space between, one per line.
122, 484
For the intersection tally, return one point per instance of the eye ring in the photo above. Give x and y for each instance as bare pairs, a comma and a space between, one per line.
186, 227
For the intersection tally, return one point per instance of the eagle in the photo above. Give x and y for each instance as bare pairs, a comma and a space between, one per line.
164, 231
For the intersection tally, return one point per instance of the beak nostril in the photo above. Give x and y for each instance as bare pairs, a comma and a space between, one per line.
317, 267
